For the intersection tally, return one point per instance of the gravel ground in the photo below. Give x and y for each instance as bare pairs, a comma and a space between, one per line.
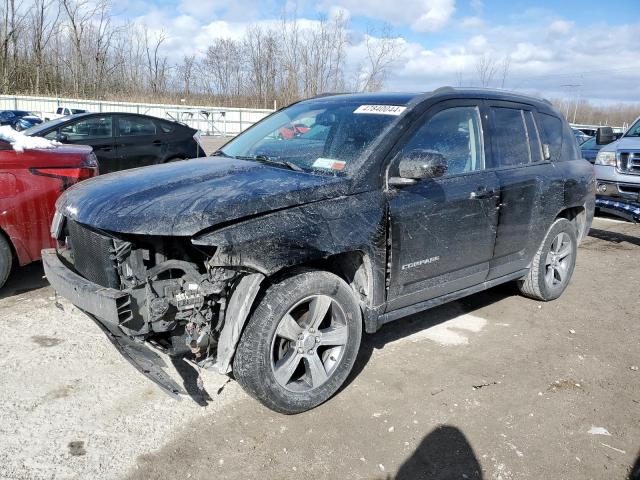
494, 386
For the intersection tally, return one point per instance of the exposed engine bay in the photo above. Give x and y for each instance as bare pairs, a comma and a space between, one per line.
175, 298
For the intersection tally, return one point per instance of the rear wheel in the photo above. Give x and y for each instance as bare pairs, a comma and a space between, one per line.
6, 260
553, 264
300, 343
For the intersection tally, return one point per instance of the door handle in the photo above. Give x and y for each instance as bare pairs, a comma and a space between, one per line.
157, 142
105, 149
481, 193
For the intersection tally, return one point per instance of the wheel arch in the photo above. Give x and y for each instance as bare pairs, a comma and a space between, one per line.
577, 215
354, 267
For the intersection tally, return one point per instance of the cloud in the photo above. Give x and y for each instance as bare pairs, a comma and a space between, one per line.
477, 5
543, 57
471, 23
545, 51
419, 15
561, 27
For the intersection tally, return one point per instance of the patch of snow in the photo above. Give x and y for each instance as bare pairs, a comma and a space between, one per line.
598, 431
21, 142
450, 332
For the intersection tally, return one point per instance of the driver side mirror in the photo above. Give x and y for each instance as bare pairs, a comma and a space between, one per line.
604, 136
419, 164
62, 138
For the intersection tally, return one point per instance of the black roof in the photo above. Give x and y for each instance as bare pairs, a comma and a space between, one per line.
404, 98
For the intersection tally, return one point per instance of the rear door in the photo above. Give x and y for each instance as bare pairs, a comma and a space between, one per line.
140, 141
443, 229
518, 159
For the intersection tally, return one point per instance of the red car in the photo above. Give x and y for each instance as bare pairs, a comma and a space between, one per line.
293, 130
30, 183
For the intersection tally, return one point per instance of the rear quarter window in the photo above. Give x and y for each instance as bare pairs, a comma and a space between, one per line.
552, 134
167, 127
570, 148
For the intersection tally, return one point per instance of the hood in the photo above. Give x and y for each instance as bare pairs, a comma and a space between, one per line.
183, 198
631, 143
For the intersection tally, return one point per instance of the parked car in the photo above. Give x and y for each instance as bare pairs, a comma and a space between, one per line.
65, 112
290, 131
124, 140
270, 263
19, 119
617, 167
581, 137
590, 149
30, 183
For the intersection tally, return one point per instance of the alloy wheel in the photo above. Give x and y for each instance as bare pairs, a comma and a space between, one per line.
558, 261
309, 343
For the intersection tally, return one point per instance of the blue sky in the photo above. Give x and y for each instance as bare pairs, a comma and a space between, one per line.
551, 46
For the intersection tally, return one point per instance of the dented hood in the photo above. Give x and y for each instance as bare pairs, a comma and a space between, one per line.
183, 198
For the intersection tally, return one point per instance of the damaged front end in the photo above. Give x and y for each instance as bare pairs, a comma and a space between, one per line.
159, 290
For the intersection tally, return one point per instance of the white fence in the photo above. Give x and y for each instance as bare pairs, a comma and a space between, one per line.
209, 120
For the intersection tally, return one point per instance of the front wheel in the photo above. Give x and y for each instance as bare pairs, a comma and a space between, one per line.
300, 343
552, 266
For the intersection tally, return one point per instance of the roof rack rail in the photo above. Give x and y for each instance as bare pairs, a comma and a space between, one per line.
444, 89
327, 94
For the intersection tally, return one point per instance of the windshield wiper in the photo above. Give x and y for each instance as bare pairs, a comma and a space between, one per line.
266, 159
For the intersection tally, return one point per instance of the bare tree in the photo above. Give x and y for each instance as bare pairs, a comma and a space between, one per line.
80, 48
156, 62
186, 72
382, 51
44, 17
486, 68
504, 69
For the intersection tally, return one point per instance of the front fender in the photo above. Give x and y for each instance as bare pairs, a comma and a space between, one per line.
298, 235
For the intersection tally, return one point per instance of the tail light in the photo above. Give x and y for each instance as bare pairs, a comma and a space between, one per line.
72, 174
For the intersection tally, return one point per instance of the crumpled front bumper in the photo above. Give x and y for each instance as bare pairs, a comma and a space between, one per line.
106, 306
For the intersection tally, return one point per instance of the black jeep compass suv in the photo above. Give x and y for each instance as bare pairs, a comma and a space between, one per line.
269, 258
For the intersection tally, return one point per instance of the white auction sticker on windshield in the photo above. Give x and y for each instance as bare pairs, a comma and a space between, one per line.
380, 109
329, 163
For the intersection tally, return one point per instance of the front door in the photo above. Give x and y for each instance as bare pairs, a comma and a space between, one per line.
97, 132
443, 229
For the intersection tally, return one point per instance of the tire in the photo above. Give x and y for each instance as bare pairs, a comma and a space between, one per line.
553, 264
293, 367
6, 260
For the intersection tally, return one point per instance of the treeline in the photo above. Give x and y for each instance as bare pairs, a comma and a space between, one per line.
77, 48
585, 112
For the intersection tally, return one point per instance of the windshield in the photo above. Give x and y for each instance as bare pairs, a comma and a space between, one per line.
316, 136
634, 131
44, 126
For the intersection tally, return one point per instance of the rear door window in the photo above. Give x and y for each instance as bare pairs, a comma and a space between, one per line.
135, 126
509, 140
